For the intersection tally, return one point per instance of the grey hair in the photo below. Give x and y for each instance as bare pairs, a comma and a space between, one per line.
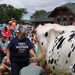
22, 30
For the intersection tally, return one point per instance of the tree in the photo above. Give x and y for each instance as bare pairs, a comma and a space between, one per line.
37, 13
7, 12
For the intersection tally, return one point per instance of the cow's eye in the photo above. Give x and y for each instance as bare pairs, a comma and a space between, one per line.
42, 43
46, 34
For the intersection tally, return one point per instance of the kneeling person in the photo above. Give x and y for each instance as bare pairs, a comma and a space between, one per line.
32, 68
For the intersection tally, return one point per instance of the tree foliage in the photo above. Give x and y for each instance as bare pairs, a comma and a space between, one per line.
37, 13
7, 12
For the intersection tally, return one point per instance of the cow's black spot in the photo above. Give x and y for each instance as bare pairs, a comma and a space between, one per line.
73, 49
66, 61
46, 34
61, 40
49, 51
72, 45
42, 43
54, 46
71, 37
56, 38
49, 61
57, 59
58, 43
62, 32
57, 52
49, 56
73, 31
53, 49
53, 67
73, 68
52, 52
52, 61
59, 55
55, 62
69, 54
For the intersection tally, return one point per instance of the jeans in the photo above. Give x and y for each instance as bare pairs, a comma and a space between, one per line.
12, 32
17, 66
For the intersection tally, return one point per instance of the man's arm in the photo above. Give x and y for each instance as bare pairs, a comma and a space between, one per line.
5, 66
32, 52
8, 56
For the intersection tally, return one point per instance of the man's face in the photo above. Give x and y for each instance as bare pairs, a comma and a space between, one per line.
22, 35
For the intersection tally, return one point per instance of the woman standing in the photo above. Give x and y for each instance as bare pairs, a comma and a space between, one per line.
19, 51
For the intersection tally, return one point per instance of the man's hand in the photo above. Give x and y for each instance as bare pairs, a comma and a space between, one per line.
10, 69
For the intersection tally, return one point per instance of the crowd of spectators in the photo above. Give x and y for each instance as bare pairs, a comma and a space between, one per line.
6, 36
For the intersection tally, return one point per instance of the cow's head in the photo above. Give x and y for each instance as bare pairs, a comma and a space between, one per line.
42, 33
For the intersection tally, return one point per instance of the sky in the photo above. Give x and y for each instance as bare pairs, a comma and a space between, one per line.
33, 5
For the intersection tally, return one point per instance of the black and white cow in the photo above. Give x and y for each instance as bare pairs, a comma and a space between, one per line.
59, 42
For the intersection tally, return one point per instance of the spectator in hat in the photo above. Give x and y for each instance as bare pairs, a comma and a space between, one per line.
12, 24
6, 32
19, 51
3, 47
33, 68
16, 33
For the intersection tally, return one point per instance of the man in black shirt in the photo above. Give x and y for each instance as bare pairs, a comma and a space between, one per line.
18, 52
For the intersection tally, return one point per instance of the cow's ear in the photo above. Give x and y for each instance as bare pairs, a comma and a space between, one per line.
46, 34
39, 27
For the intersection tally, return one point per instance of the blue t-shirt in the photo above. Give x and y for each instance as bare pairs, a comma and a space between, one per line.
19, 49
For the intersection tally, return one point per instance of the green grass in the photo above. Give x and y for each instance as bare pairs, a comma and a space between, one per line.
6, 73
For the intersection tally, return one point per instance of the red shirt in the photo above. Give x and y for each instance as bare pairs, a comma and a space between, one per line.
6, 33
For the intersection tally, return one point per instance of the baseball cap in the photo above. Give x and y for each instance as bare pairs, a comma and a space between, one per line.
34, 59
